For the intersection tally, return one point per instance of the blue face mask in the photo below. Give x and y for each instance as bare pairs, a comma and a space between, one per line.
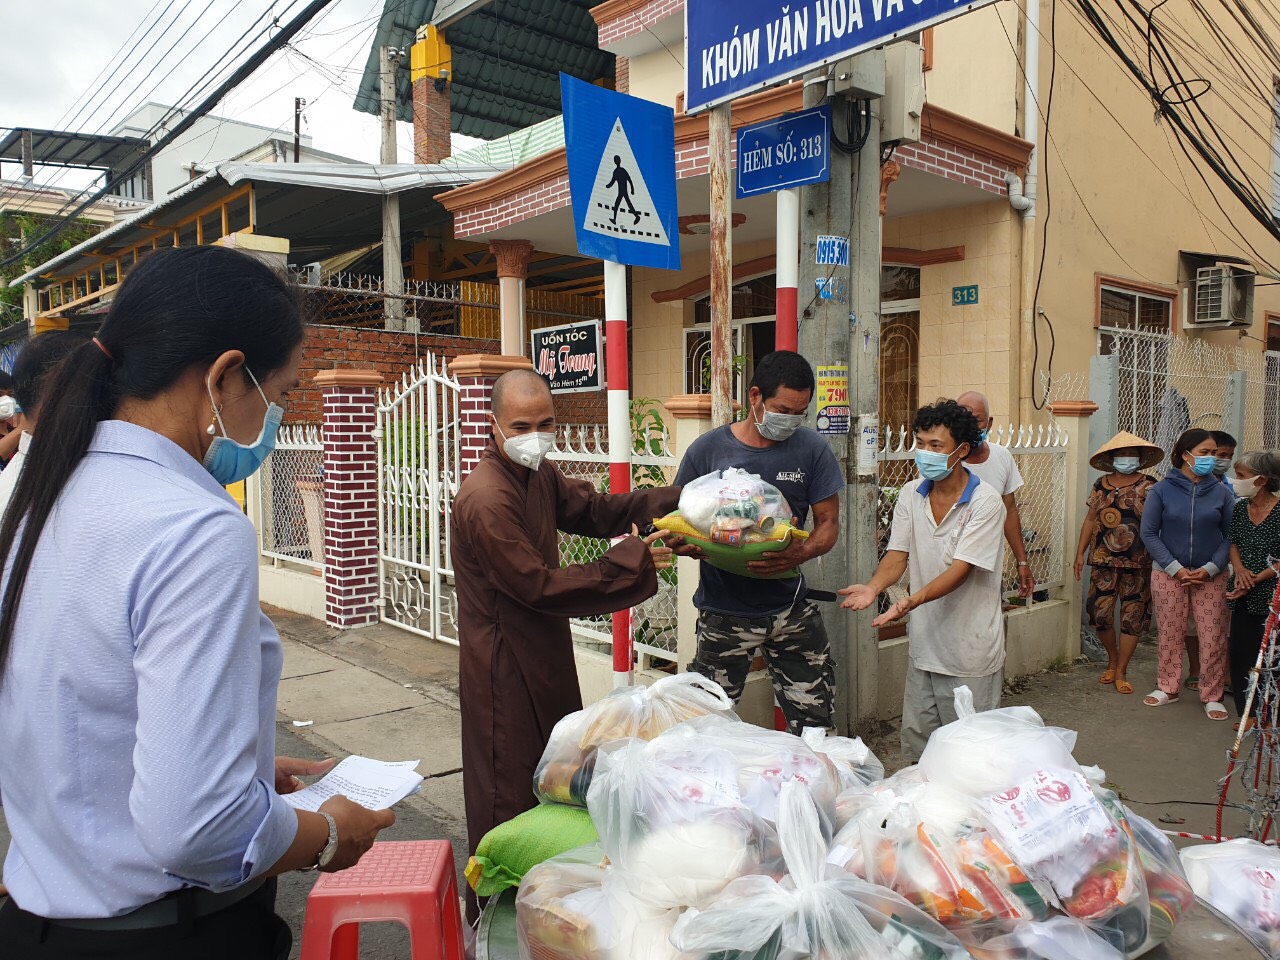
230, 462
1203, 466
1125, 465
934, 466
985, 434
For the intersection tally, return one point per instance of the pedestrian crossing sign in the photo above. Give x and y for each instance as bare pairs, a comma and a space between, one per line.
622, 178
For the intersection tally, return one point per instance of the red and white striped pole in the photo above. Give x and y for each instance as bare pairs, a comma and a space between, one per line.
787, 335
615, 332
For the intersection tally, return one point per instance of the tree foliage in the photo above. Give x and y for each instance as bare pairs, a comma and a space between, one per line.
16, 231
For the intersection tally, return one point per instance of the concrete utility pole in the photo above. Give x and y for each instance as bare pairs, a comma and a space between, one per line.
392, 266
721, 265
298, 104
843, 328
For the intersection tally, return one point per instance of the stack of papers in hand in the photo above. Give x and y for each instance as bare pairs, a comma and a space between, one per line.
375, 784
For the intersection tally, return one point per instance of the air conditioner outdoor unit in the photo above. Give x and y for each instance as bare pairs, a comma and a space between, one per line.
1221, 297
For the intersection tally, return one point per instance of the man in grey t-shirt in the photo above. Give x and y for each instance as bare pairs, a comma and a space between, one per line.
742, 616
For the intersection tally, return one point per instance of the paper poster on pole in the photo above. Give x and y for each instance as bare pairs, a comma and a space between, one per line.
868, 444
833, 399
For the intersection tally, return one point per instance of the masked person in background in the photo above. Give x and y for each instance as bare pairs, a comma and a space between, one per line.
517, 675
739, 617
1223, 454
948, 532
1186, 525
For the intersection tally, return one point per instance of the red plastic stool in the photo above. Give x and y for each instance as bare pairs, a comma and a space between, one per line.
411, 882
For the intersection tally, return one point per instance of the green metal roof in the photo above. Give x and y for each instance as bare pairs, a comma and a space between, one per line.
507, 59
516, 148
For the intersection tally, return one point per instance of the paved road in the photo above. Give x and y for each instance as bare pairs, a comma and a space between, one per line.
383, 941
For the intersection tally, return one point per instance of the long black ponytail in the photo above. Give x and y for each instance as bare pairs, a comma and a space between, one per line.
178, 308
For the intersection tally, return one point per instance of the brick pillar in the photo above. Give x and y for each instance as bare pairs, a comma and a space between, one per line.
350, 496
622, 75
1072, 417
430, 68
511, 257
475, 374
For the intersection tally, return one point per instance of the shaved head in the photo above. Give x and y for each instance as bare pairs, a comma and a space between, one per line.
516, 386
976, 404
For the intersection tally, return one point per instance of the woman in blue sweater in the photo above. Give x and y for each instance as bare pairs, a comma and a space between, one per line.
1186, 526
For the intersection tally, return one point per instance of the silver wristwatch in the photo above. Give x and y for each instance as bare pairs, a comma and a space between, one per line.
330, 848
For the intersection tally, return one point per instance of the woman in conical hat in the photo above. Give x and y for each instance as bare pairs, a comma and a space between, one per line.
1118, 599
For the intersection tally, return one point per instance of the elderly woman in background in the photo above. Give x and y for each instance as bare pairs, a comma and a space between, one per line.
1186, 525
1255, 562
1118, 600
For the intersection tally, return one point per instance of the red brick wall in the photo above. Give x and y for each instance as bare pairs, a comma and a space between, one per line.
432, 120
622, 75
391, 354
954, 163
639, 17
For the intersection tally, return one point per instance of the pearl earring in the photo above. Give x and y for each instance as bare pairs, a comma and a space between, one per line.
210, 430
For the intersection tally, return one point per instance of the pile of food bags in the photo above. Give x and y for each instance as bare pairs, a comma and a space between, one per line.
719, 840
733, 517
1241, 879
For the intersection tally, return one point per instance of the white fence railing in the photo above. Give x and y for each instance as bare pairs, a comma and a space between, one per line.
291, 498
582, 452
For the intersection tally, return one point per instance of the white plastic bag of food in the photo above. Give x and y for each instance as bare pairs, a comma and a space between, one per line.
562, 911
981, 754
571, 908
684, 814
1058, 938
853, 759
564, 773
732, 500
810, 913
1240, 879
674, 820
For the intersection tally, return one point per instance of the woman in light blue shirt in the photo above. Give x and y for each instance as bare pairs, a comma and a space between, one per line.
137, 673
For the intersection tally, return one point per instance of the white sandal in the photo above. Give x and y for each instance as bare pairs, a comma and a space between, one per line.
1214, 710
1161, 699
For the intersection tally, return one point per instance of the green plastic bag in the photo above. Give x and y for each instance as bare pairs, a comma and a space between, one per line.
510, 850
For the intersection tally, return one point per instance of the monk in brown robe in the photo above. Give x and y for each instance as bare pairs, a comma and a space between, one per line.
517, 672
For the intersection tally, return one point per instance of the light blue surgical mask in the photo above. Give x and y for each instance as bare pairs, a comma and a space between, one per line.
230, 462
1203, 466
985, 433
1125, 465
934, 466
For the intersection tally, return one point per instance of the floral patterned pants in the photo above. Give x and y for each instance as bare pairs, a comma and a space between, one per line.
1207, 603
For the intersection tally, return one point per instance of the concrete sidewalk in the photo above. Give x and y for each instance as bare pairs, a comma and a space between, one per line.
381, 692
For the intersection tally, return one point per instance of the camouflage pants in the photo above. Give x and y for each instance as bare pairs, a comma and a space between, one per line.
795, 648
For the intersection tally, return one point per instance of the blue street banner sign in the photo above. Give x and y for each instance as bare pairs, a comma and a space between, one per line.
831, 251
763, 42
791, 151
622, 175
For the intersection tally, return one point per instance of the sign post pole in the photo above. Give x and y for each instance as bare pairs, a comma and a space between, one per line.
619, 394
721, 268
788, 269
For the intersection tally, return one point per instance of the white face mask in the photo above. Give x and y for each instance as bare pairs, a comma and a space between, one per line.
528, 449
1245, 489
777, 426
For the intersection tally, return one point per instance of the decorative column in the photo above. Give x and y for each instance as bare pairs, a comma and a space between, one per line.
1072, 418
350, 496
692, 413
512, 257
475, 373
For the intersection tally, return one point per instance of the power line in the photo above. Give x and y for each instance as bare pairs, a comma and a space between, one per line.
245, 70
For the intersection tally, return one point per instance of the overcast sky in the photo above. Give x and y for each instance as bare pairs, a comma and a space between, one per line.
57, 53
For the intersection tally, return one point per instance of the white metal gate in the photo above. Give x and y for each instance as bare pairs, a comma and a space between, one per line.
419, 451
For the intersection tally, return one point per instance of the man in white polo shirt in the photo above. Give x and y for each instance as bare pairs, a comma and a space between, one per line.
948, 532
996, 467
